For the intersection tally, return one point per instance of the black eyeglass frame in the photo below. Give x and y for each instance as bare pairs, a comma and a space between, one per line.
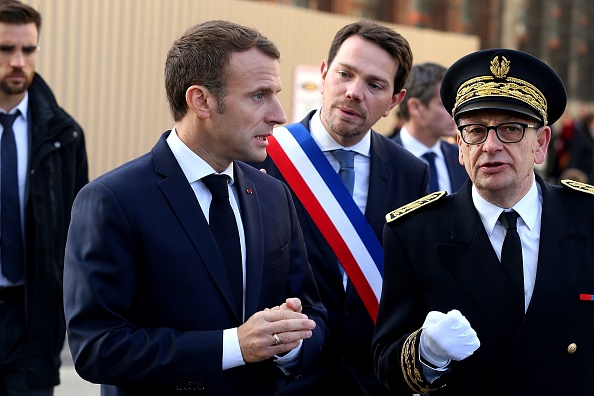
496, 129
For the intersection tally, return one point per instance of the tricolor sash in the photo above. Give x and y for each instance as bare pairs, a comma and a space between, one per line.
319, 188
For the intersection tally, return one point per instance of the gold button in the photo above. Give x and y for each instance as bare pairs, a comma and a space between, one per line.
571, 348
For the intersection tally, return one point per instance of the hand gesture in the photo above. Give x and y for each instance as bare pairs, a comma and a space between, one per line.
274, 331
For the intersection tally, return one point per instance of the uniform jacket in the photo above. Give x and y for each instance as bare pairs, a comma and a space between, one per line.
396, 177
146, 293
57, 171
439, 257
456, 172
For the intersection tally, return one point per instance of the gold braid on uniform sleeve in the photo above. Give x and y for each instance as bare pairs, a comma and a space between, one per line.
412, 367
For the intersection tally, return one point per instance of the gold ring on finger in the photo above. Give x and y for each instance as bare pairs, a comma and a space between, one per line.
277, 340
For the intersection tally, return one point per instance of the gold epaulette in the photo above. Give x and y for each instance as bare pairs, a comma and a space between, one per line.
583, 187
427, 199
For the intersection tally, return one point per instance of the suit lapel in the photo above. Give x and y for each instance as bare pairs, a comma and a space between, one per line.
559, 257
183, 202
469, 240
380, 171
251, 216
456, 172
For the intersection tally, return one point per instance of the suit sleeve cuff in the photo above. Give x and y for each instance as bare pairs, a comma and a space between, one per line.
413, 369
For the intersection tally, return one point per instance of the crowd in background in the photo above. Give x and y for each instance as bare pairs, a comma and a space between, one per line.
571, 154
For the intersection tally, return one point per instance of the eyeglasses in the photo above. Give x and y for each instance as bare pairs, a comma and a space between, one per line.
509, 132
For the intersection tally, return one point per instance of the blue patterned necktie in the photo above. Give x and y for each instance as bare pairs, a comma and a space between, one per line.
346, 159
433, 182
11, 238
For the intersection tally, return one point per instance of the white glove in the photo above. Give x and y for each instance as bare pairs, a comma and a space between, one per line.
447, 337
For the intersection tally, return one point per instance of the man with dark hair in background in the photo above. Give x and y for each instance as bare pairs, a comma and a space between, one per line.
426, 124
43, 166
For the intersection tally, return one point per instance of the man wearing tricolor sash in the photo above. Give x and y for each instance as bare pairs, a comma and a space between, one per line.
344, 178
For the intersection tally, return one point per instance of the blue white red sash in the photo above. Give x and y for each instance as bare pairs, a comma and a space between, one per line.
317, 185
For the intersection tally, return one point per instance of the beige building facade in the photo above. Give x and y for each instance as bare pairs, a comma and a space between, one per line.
105, 59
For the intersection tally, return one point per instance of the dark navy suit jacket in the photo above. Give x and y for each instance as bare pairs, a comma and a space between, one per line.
456, 172
396, 178
145, 291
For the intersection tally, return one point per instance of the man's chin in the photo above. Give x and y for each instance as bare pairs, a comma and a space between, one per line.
14, 89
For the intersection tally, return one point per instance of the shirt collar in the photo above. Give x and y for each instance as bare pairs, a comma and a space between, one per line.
327, 142
527, 208
417, 148
23, 107
194, 167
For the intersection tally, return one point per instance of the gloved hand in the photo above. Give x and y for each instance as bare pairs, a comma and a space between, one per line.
447, 337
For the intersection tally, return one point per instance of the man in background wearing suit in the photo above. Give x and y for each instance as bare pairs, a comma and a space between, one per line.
342, 215
186, 270
43, 166
427, 123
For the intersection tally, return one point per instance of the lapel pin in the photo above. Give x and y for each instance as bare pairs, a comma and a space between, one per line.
249, 191
586, 297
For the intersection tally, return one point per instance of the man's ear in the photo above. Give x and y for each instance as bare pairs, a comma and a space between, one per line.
543, 138
323, 71
394, 101
414, 104
199, 100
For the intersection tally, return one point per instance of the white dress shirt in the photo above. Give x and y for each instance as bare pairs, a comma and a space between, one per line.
21, 137
362, 157
195, 168
530, 210
418, 149
362, 163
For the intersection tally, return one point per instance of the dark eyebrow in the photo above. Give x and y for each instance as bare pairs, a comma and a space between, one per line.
26, 49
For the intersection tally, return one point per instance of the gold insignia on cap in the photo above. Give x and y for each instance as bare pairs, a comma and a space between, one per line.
583, 187
511, 87
427, 199
571, 348
500, 69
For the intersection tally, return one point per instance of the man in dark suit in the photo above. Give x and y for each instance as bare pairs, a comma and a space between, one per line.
43, 165
151, 302
362, 81
489, 291
426, 126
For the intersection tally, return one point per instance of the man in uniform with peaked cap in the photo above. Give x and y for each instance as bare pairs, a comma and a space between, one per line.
475, 307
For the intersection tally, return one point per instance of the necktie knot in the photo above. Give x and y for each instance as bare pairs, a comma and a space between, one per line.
217, 185
430, 156
511, 259
346, 158
509, 219
12, 252
223, 224
8, 119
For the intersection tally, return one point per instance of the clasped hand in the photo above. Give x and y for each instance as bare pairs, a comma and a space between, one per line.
256, 335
